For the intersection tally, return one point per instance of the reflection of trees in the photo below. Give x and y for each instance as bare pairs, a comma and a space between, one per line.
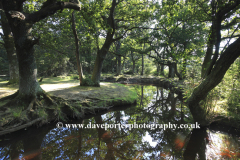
106, 137
24, 143
155, 105
160, 106
114, 143
196, 145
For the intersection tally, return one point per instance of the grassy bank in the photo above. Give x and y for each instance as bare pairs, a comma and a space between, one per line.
64, 98
68, 88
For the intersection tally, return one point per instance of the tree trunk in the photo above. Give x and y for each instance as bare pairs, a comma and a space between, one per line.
162, 66
134, 62
162, 70
184, 68
171, 72
158, 69
10, 49
89, 56
107, 138
176, 71
212, 80
142, 65
123, 65
101, 54
79, 65
196, 144
119, 67
207, 59
133, 67
24, 42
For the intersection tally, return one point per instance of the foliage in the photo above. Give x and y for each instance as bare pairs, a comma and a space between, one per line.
87, 81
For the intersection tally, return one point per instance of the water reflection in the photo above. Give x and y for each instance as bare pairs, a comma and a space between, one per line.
155, 105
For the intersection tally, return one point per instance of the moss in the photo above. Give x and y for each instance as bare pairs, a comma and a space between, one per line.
74, 100
111, 94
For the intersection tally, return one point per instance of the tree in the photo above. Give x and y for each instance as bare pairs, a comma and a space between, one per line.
220, 63
10, 49
21, 22
79, 65
178, 38
113, 22
219, 12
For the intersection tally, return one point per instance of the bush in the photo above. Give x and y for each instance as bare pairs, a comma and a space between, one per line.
148, 70
87, 82
74, 77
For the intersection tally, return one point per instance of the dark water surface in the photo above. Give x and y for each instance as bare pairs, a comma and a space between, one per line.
143, 140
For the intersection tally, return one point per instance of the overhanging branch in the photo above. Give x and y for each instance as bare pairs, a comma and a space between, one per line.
50, 10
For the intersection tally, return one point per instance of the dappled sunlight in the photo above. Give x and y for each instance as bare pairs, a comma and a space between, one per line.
53, 87
6, 90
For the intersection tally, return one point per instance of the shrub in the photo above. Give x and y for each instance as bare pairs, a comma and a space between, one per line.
87, 82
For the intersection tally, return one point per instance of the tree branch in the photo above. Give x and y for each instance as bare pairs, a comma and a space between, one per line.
232, 23
235, 36
50, 10
222, 12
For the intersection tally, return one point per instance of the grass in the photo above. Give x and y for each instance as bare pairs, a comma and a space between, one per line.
67, 87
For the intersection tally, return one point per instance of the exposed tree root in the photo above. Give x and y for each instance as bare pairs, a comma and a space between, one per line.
13, 129
21, 112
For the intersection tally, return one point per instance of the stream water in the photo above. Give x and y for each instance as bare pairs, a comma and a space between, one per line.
142, 131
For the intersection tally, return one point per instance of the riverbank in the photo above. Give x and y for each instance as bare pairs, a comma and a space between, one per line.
216, 112
68, 100
171, 84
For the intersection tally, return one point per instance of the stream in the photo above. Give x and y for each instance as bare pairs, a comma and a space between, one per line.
158, 127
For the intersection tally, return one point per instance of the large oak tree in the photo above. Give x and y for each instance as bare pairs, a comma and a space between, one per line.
30, 94
21, 24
